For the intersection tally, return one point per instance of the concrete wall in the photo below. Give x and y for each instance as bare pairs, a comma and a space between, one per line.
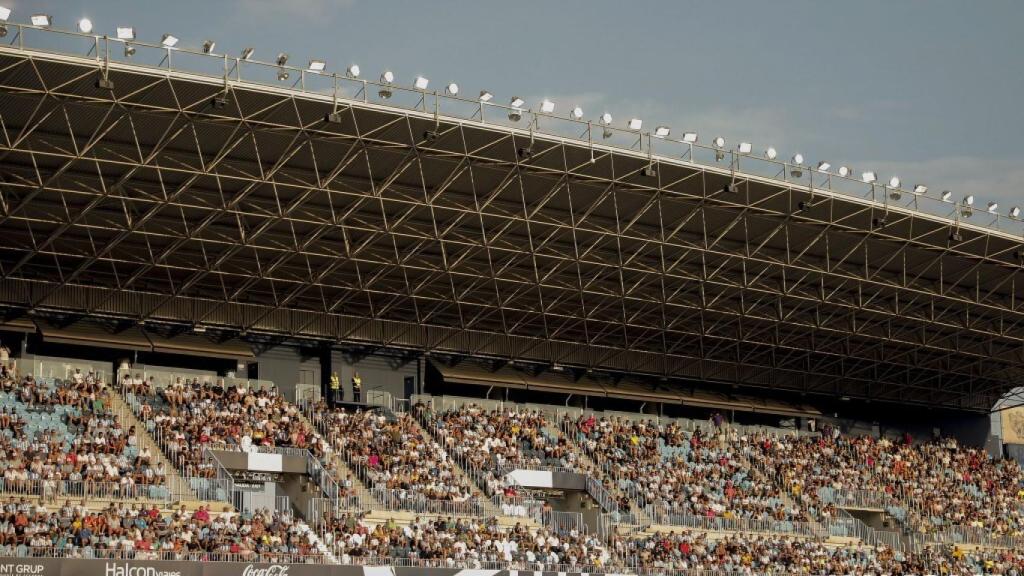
377, 373
286, 367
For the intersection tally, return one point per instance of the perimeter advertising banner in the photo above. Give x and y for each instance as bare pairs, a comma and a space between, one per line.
75, 567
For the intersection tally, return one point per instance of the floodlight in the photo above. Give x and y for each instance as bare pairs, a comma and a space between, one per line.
895, 194
1014, 212
129, 50
387, 77
966, 206
798, 159
125, 33
745, 147
283, 74
42, 20
869, 177
208, 46
547, 106
85, 26
421, 83
247, 53
352, 71
486, 96
5, 13
690, 137
635, 123
894, 182
452, 89
516, 102
282, 59
606, 118
992, 207
844, 171
946, 195
577, 113
515, 113
920, 189
824, 166
771, 153
662, 131
719, 142
968, 200
169, 40
317, 66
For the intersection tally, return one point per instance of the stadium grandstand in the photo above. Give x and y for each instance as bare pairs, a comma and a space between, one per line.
261, 320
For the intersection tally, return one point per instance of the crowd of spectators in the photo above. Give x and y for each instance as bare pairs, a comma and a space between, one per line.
58, 437
148, 532
934, 484
190, 416
779, 554
395, 456
469, 542
671, 471
497, 441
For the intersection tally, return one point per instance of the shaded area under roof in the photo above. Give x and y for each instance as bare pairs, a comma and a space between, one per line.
474, 373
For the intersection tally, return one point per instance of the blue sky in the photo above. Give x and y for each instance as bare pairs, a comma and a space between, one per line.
927, 90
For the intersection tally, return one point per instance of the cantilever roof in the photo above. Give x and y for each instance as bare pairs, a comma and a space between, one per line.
154, 202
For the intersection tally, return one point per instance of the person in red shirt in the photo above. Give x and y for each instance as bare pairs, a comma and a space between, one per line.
202, 515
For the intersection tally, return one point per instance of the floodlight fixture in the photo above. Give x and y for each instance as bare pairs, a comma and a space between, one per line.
317, 66
690, 137
208, 46
798, 159
283, 74
352, 71
282, 59
719, 142
169, 40
745, 147
992, 207
771, 153
635, 123
452, 89
129, 50
824, 166
920, 189
85, 26
421, 83
844, 171
42, 20
486, 96
387, 77
968, 200
662, 131
869, 177
1015, 212
894, 182
946, 195
547, 106
606, 119
5, 13
895, 194
125, 33
576, 113
247, 53
515, 113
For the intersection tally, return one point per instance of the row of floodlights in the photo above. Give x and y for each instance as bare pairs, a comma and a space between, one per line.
515, 113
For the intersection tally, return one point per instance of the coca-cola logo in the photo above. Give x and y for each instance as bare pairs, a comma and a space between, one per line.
272, 570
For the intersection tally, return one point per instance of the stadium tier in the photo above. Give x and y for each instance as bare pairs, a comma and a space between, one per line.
263, 330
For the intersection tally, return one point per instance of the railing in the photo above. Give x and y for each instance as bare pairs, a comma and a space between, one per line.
857, 498
282, 505
561, 522
721, 524
972, 536
396, 500
50, 490
120, 554
519, 506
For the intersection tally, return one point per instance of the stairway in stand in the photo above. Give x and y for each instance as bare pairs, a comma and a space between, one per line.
177, 485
